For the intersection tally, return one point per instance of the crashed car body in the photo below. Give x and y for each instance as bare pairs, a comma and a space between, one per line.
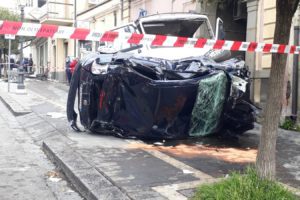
156, 95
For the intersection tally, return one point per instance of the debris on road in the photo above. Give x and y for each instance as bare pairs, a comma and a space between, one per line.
186, 171
53, 176
158, 143
55, 115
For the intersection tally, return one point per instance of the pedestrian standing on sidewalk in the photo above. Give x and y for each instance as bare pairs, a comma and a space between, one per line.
73, 65
68, 70
30, 64
1, 66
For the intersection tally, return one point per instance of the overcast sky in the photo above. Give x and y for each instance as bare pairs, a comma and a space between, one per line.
11, 4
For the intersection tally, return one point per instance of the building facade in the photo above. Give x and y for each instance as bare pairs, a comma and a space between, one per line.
49, 53
260, 28
101, 16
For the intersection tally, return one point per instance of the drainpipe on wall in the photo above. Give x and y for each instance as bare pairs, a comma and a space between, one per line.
172, 6
199, 6
21, 38
295, 74
129, 10
122, 11
251, 35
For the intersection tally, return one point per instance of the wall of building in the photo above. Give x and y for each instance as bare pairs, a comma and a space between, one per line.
260, 28
60, 60
34, 57
268, 22
58, 50
50, 54
102, 18
40, 55
156, 6
11, 5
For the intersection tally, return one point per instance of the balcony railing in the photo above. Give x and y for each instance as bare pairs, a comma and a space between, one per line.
57, 12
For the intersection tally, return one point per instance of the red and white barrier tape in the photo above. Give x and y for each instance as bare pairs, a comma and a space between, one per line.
54, 31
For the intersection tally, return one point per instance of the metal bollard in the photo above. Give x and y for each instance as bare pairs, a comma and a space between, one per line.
21, 85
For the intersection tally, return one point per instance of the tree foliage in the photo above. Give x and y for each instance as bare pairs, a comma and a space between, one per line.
5, 14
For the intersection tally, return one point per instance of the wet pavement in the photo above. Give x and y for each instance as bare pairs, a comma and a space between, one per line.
149, 169
218, 156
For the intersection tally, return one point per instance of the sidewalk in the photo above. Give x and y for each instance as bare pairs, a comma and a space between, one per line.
105, 167
25, 171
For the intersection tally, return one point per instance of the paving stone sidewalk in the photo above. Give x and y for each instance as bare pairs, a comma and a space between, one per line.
25, 171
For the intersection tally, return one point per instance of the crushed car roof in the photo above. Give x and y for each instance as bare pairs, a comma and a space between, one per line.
171, 16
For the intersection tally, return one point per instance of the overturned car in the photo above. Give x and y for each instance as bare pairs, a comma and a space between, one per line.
146, 96
156, 98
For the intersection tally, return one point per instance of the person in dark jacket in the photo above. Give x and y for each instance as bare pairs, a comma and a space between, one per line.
30, 64
68, 70
1, 66
12, 63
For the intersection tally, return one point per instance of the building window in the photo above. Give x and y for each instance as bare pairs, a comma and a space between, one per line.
66, 49
29, 3
87, 45
41, 3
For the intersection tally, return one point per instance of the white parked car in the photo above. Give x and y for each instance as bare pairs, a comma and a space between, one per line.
173, 24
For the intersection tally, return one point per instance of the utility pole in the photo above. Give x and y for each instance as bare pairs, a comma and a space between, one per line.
21, 68
9, 68
75, 25
21, 37
9, 38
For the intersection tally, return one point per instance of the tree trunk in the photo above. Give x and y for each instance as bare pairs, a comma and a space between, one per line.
266, 159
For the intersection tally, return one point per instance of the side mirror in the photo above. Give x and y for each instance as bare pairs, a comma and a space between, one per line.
220, 33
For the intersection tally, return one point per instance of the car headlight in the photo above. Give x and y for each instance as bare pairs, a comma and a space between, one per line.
239, 83
99, 68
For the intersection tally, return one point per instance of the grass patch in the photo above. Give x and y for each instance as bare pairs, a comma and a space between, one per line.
246, 186
290, 124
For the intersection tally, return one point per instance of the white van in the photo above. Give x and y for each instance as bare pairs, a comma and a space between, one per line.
171, 24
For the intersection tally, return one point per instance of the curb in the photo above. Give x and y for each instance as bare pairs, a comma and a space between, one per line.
15, 108
91, 184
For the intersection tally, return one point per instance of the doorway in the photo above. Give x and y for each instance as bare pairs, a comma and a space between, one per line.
234, 15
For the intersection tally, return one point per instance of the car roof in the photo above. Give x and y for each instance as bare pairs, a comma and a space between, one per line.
170, 16
163, 16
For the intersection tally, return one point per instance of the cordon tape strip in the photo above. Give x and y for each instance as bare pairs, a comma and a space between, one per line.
65, 32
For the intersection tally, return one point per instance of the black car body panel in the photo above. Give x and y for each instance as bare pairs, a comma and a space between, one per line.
157, 98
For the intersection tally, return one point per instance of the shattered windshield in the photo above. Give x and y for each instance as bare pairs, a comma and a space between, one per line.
196, 28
